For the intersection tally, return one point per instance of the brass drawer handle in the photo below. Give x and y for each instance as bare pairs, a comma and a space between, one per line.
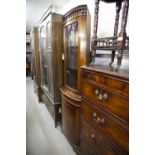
100, 95
94, 114
98, 120
105, 96
96, 91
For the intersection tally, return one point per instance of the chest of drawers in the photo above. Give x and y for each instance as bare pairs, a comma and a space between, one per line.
105, 112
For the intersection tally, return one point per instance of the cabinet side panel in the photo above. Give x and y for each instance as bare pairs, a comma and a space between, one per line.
57, 36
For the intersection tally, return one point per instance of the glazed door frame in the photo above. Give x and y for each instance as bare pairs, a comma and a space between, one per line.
65, 56
43, 57
50, 55
83, 47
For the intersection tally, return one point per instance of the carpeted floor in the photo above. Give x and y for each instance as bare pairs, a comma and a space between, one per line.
42, 137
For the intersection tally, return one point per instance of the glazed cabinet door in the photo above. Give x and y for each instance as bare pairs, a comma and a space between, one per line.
44, 69
71, 43
49, 55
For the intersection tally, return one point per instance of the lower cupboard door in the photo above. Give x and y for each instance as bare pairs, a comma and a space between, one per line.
70, 121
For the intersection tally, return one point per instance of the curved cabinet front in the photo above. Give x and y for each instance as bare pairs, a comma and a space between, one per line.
71, 119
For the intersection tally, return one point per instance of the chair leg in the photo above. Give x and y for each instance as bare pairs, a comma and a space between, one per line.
119, 59
92, 57
112, 57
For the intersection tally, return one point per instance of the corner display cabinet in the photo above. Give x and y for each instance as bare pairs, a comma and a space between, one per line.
76, 53
50, 35
34, 45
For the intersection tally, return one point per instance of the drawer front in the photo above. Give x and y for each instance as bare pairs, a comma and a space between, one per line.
113, 128
97, 141
115, 104
115, 84
85, 149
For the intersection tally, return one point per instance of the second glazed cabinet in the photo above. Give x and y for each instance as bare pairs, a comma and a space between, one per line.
50, 39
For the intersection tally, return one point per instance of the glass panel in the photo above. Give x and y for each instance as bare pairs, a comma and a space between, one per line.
49, 37
49, 57
71, 54
43, 58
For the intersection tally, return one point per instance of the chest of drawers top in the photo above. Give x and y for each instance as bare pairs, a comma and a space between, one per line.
108, 78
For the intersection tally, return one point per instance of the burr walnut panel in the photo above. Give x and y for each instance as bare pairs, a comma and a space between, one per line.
120, 86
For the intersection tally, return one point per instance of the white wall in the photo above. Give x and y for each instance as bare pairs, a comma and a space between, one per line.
106, 15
